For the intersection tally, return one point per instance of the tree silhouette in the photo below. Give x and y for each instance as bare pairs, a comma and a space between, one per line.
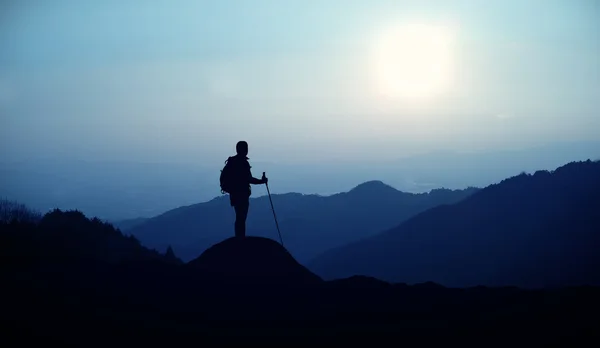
170, 255
11, 211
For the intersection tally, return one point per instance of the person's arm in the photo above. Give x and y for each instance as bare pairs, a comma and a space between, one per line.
256, 181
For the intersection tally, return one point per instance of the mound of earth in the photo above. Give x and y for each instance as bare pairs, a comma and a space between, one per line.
253, 260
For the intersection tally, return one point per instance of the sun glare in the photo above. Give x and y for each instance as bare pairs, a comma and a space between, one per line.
413, 60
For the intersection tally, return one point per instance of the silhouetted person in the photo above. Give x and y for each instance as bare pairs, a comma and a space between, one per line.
239, 178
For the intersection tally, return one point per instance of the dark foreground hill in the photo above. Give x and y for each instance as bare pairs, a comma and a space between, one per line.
253, 259
540, 230
250, 290
310, 224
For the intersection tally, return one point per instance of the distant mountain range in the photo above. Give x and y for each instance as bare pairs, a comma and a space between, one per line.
117, 190
539, 230
310, 224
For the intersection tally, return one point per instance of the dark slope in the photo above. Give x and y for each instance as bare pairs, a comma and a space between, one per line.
253, 259
310, 224
529, 230
125, 225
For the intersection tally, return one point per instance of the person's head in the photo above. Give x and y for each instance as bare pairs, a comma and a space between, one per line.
241, 148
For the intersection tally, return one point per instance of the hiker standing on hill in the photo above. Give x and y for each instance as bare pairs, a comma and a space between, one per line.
236, 178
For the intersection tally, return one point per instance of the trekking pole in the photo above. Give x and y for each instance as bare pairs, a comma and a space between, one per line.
273, 209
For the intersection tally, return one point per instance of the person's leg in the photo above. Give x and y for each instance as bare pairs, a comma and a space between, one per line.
241, 213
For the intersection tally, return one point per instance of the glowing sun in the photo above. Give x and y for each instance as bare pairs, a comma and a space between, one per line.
413, 60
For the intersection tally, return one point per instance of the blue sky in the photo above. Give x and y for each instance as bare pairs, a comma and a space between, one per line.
184, 80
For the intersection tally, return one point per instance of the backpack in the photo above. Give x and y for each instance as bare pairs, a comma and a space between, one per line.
226, 177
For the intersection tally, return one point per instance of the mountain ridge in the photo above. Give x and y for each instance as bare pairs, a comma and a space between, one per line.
544, 219
309, 223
